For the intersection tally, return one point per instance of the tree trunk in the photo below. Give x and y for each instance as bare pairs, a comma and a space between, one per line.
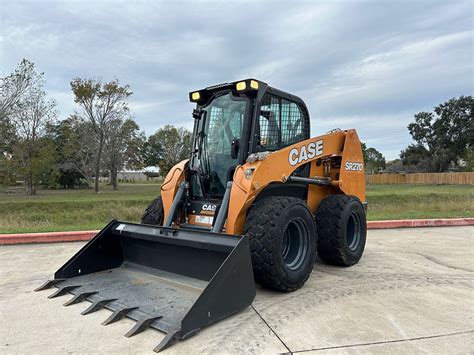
87, 174
88, 181
97, 172
113, 178
97, 164
30, 188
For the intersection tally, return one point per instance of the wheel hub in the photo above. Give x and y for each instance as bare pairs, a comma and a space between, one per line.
294, 244
353, 231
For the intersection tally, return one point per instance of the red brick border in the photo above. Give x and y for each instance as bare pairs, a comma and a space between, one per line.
54, 237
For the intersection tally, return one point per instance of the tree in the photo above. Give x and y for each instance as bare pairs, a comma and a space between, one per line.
30, 115
17, 85
7, 139
100, 104
416, 155
470, 160
171, 145
75, 147
134, 141
122, 148
443, 137
13, 88
7, 135
83, 147
374, 160
152, 151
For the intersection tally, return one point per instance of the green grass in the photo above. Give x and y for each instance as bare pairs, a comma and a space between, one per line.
420, 201
81, 209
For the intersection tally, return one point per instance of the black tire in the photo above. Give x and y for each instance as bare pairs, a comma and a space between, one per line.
282, 236
154, 213
342, 230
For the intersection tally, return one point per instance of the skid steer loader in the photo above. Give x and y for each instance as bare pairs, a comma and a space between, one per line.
258, 199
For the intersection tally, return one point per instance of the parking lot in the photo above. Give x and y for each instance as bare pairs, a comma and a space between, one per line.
411, 292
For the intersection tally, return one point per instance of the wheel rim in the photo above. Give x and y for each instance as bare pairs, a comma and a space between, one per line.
294, 244
353, 231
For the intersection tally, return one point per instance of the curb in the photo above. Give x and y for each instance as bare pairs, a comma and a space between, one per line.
49, 237
417, 223
55, 237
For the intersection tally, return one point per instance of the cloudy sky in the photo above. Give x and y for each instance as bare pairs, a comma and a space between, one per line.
368, 65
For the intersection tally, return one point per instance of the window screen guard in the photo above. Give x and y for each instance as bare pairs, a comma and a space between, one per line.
281, 123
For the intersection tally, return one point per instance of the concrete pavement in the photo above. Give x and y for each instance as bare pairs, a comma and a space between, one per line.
412, 292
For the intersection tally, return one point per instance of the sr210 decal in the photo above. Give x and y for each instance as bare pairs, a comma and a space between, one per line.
353, 166
305, 152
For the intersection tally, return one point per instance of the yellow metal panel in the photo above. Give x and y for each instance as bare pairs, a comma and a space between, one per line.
280, 164
352, 174
170, 185
276, 168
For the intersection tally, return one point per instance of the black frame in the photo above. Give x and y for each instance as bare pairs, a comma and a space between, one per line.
283, 95
248, 139
255, 96
218, 91
248, 112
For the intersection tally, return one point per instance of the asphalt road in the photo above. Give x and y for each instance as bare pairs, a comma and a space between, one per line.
411, 293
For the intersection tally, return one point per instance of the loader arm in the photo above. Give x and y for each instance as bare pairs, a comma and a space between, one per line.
252, 178
171, 184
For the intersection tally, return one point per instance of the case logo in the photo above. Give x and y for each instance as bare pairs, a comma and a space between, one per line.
305, 152
211, 208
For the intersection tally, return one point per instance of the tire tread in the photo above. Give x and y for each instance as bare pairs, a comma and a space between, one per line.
154, 213
258, 227
328, 217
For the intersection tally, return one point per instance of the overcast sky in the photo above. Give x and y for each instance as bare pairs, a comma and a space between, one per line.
368, 65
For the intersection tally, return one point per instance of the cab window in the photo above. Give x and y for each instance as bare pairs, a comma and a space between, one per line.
281, 123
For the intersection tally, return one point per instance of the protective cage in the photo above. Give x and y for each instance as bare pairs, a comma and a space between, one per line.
174, 280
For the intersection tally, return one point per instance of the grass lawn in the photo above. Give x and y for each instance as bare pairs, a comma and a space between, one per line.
63, 210
78, 209
420, 201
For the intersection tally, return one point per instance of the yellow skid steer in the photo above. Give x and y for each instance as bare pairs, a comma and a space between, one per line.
256, 201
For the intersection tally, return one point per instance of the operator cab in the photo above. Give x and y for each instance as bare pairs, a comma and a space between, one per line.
232, 121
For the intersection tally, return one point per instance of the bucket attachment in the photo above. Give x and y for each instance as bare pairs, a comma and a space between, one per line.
174, 280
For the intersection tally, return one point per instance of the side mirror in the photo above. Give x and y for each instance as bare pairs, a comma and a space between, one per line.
234, 150
197, 114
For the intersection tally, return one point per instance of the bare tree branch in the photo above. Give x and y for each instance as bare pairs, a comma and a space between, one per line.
100, 104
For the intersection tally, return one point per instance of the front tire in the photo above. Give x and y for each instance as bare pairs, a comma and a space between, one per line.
282, 237
342, 230
154, 213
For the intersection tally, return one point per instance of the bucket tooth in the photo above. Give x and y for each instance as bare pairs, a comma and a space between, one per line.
168, 340
117, 315
49, 284
97, 306
141, 325
79, 298
63, 290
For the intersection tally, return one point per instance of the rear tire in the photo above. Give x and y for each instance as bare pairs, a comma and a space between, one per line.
282, 237
154, 213
342, 230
